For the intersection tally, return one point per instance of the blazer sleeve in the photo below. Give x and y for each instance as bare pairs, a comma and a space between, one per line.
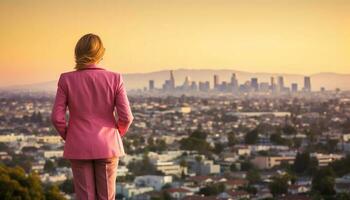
58, 114
122, 107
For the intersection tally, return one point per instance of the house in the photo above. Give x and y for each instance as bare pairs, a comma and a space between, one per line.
178, 193
298, 189
157, 182
129, 190
233, 195
235, 183
268, 162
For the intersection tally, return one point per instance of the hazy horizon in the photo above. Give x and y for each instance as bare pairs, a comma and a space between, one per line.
194, 69
284, 37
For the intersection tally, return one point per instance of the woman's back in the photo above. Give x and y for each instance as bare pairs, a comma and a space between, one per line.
92, 95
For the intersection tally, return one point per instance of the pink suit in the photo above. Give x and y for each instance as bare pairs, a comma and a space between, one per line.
92, 95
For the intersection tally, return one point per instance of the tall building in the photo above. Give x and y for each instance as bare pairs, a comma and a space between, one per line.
187, 83
307, 84
273, 84
234, 82
172, 80
216, 82
254, 84
204, 86
151, 85
280, 84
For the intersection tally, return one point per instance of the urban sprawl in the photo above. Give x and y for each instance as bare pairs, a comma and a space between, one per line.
192, 147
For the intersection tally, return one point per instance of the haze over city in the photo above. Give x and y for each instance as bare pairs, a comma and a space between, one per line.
297, 37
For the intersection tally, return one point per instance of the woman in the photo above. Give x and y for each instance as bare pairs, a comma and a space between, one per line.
92, 95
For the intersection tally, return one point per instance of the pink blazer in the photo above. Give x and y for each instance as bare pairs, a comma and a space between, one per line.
92, 96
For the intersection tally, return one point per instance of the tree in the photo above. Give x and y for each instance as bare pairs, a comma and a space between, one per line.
301, 163
53, 193
49, 166
218, 148
289, 130
231, 139
323, 181
143, 167
15, 184
213, 189
342, 166
251, 137
246, 165
253, 176
196, 141
233, 167
279, 186
343, 196
276, 138
67, 186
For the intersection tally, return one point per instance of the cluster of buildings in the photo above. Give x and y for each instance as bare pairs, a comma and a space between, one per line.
253, 85
161, 125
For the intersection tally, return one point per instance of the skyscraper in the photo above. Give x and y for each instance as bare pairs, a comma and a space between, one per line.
187, 83
172, 80
234, 82
151, 85
273, 84
280, 84
254, 84
216, 82
307, 84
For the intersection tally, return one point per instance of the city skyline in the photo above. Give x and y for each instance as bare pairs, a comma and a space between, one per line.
233, 86
256, 36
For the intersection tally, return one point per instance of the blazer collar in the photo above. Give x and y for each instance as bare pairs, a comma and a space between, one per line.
92, 67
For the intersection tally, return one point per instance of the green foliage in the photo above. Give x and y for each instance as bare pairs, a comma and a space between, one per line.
143, 167
67, 186
323, 181
342, 166
251, 137
61, 162
157, 145
289, 130
213, 189
53, 193
276, 138
15, 184
196, 141
253, 176
279, 185
218, 148
232, 139
304, 164
233, 167
343, 196
23, 161
49, 166
246, 165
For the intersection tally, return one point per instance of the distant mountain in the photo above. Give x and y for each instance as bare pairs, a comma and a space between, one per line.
140, 80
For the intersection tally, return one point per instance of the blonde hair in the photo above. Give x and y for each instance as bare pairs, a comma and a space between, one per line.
88, 50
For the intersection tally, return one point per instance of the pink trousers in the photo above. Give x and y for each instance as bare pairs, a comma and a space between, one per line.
95, 179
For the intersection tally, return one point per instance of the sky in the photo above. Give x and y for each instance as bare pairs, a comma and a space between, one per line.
279, 36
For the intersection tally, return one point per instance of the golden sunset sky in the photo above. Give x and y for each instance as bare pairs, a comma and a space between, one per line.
280, 36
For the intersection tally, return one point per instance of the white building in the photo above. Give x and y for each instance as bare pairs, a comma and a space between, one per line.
157, 182
170, 168
129, 190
